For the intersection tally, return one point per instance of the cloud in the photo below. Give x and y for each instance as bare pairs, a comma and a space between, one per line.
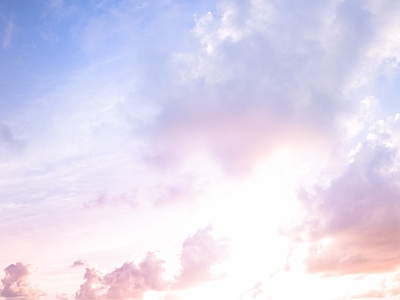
257, 290
199, 253
78, 263
92, 288
257, 80
10, 28
353, 222
7, 139
16, 283
128, 281
383, 290
62, 296
103, 198
371, 294
132, 281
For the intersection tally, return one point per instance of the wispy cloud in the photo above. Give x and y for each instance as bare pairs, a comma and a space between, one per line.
8, 33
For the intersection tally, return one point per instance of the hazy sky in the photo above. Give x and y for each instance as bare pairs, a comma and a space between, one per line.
200, 149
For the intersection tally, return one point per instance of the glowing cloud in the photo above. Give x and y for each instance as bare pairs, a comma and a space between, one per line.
358, 211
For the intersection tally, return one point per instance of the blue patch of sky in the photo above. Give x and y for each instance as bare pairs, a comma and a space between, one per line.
388, 92
40, 51
46, 42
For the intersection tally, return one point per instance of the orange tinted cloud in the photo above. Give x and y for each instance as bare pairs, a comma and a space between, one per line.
353, 222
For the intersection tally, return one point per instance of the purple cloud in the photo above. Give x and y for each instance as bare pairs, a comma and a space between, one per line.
16, 283
128, 281
78, 263
353, 222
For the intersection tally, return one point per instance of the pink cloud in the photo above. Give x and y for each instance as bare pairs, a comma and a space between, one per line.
16, 283
199, 253
62, 296
128, 281
78, 263
236, 137
357, 214
371, 294
133, 281
383, 290
395, 291
92, 288
257, 290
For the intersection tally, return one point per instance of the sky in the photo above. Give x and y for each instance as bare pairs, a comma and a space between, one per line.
199, 149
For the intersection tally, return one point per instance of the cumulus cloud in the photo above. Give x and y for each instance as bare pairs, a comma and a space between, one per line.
16, 283
128, 281
199, 253
353, 221
92, 288
258, 80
